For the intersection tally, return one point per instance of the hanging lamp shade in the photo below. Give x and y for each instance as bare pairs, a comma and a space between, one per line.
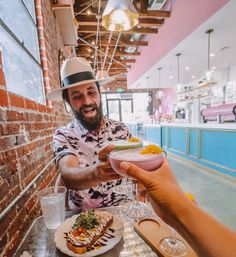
104, 78
119, 15
178, 86
208, 73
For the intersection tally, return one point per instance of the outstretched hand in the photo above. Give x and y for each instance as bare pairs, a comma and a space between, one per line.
104, 151
166, 195
104, 172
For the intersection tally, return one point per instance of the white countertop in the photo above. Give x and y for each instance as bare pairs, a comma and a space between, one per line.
231, 126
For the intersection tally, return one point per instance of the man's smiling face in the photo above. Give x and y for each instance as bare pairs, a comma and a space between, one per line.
85, 101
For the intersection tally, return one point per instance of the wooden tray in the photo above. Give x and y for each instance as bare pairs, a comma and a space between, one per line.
153, 231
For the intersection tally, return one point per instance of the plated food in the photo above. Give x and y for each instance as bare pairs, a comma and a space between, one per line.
88, 228
89, 234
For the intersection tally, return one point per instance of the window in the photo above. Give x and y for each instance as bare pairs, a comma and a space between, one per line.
20, 49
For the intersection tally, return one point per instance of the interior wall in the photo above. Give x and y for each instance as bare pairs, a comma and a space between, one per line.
186, 16
169, 99
26, 130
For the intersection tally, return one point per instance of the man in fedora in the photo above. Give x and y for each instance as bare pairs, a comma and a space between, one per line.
80, 146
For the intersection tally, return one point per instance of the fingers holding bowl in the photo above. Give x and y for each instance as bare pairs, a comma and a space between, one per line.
104, 152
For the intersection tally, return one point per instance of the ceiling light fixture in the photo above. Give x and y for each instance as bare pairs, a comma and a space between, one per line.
187, 68
159, 92
119, 15
104, 77
178, 86
149, 98
208, 73
102, 74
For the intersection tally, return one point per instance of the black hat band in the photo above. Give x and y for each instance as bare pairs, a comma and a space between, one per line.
77, 77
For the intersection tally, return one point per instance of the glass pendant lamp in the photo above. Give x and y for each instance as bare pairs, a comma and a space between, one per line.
208, 73
149, 98
119, 15
103, 76
178, 86
159, 93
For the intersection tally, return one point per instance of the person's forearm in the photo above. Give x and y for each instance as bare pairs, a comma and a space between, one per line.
79, 178
206, 235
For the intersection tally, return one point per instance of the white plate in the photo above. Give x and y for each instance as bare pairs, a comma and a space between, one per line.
60, 241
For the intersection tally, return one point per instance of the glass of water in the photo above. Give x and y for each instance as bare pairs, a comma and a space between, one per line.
53, 206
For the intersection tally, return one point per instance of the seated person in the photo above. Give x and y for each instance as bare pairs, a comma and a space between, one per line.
85, 170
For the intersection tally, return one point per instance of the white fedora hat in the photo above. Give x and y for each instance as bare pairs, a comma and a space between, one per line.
74, 72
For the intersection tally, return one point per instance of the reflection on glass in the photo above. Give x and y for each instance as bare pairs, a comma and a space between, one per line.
20, 69
113, 109
16, 17
126, 110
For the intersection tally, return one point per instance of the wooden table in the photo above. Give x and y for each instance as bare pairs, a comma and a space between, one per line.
39, 241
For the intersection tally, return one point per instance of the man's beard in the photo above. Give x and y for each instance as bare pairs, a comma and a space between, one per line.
90, 123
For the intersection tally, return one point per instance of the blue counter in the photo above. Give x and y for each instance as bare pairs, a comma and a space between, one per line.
147, 132
211, 145
153, 134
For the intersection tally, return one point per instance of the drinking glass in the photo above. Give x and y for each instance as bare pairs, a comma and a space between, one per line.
137, 209
172, 246
124, 188
53, 206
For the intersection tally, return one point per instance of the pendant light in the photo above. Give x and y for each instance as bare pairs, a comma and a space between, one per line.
159, 93
104, 77
178, 86
119, 15
149, 98
102, 74
208, 73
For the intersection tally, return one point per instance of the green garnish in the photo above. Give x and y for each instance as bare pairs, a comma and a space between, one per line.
86, 220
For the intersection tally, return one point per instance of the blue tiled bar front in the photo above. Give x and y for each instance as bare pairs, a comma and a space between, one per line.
153, 133
211, 145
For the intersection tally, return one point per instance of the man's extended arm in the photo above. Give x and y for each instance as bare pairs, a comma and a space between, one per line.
78, 178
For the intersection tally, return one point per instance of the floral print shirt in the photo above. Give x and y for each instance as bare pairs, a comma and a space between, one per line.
74, 139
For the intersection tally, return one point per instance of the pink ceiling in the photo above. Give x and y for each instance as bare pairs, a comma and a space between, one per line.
186, 16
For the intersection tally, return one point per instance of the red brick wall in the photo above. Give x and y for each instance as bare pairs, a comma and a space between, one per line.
26, 131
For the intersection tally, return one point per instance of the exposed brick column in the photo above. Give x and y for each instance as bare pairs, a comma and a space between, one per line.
42, 45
